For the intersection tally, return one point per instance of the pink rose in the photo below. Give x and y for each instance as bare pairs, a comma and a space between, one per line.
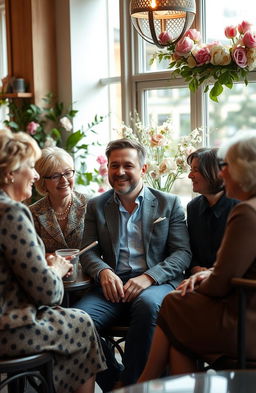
184, 46
157, 140
164, 38
239, 57
212, 44
202, 56
193, 34
103, 170
244, 27
32, 127
249, 39
230, 31
101, 160
101, 189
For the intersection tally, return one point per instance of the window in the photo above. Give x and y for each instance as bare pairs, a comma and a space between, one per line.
115, 75
158, 95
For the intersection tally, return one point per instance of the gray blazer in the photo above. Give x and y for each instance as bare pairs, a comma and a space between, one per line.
166, 242
48, 227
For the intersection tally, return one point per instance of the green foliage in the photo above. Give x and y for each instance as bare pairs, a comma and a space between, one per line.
219, 76
48, 124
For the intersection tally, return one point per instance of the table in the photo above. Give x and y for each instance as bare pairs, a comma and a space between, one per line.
239, 381
83, 281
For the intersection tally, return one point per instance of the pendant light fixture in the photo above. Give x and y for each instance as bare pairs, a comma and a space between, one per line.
162, 22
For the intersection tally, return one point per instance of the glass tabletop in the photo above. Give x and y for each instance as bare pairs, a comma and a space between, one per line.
239, 381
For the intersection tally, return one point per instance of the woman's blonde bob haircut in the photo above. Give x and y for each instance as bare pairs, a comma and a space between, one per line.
52, 158
15, 148
240, 154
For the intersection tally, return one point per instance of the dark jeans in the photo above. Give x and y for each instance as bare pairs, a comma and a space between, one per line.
140, 315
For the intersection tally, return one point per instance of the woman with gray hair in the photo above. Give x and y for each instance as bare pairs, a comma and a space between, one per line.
199, 319
59, 216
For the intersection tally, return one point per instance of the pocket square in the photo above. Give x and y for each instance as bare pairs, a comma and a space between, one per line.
159, 219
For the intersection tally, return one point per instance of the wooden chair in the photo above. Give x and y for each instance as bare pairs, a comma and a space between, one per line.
19, 370
243, 286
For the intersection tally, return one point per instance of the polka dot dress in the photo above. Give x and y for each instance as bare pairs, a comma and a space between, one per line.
31, 320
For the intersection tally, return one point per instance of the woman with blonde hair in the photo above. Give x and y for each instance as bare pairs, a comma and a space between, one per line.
59, 215
199, 319
31, 287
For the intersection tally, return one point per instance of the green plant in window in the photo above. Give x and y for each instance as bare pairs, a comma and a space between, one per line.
52, 124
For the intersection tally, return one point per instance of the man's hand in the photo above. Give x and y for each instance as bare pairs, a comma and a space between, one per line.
112, 285
135, 286
197, 269
189, 284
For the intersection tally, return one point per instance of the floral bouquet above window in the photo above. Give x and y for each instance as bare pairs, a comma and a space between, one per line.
166, 155
215, 63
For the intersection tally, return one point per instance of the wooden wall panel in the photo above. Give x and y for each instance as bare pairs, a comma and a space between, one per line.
32, 44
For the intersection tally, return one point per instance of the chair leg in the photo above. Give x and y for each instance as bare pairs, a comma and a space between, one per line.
241, 329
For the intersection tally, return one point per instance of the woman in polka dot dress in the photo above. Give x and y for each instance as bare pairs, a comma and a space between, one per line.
31, 287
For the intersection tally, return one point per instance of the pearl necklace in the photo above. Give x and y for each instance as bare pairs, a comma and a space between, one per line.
63, 215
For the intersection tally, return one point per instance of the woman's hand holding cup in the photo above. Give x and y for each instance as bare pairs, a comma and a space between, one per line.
61, 266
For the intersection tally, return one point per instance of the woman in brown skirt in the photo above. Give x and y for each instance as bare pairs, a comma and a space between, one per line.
199, 319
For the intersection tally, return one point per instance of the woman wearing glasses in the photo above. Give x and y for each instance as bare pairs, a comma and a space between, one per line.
59, 216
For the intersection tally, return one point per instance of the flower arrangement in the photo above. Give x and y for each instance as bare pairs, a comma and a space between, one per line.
214, 62
166, 155
102, 174
45, 124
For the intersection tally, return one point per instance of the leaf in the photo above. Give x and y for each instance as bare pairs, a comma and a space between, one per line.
193, 85
73, 140
56, 134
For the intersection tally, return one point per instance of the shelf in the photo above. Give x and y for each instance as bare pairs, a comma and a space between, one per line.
16, 95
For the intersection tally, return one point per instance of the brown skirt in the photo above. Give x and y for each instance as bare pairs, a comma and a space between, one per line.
197, 325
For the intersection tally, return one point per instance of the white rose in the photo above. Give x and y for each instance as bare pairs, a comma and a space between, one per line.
66, 123
49, 142
220, 55
167, 165
251, 58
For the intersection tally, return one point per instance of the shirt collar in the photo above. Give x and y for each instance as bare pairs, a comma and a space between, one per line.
216, 209
138, 200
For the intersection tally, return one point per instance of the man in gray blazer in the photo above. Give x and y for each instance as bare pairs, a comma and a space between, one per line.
142, 253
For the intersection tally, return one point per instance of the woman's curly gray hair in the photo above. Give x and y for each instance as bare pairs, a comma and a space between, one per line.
15, 148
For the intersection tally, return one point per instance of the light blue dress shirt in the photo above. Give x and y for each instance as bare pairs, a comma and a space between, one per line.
131, 256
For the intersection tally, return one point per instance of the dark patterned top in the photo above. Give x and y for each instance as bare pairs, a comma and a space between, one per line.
22, 253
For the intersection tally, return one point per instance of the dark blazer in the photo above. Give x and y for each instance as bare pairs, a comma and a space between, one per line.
164, 232
48, 227
206, 226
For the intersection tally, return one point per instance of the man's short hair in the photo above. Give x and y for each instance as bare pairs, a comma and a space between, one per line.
125, 143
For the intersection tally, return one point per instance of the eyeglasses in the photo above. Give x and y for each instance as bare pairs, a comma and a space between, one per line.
222, 164
57, 176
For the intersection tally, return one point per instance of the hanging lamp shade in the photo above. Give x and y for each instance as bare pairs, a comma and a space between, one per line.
162, 22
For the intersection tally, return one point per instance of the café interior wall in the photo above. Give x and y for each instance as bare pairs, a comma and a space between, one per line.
82, 59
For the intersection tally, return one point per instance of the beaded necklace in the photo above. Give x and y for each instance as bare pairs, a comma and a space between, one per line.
63, 215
